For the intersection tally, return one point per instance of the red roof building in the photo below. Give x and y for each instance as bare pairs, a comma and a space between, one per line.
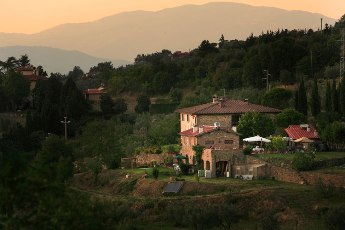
94, 97
99, 91
305, 130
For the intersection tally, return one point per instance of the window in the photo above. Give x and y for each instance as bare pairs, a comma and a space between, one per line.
182, 117
209, 142
228, 142
187, 117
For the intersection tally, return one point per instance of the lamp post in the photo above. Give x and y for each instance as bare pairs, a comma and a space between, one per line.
65, 122
266, 78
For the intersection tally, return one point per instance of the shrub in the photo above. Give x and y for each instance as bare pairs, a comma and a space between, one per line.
269, 221
335, 218
184, 168
155, 172
303, 161
324, 190
247, 150
197, 178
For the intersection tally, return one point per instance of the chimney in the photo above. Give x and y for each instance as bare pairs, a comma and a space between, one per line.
246, 100
215, 99
221, 102
308, 128
201, 129
195, 129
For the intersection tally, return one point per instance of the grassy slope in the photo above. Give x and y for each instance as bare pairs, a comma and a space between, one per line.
302, 203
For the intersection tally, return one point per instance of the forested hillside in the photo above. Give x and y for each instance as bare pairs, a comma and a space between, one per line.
287, 55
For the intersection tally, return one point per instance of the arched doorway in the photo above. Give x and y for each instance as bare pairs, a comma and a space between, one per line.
208, 165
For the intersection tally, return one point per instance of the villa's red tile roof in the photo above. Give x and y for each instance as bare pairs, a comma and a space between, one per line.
299, 131
204, 130
227, 106
190, 132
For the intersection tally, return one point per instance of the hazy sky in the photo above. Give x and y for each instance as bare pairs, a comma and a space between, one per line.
36, 15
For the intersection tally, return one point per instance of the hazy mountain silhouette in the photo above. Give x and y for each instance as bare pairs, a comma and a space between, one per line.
124, 35
55, 60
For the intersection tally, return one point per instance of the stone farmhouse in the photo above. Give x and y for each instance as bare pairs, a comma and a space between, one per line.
213, 125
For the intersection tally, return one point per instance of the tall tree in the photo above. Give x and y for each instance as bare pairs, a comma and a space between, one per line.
328, 98
289, 117
277, 98
24, 60
47, 103
335, 97
16, 88
221, 41
252, 72
120, 106
76, 73
10, 64
143, 104
254, 123
315, 99
342, 96
107, 104
72, 102
302, 102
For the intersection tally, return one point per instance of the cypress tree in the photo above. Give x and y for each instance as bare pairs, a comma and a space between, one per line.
335, 98
315, 100
328, 98
342, 97
296, 100
302, 99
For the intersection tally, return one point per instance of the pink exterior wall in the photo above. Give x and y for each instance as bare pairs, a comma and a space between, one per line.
187, 121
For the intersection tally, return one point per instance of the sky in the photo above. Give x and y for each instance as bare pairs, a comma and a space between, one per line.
36, 15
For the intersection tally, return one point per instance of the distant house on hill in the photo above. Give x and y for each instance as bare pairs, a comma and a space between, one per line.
94, 97
213, 125
221, 112
31, 74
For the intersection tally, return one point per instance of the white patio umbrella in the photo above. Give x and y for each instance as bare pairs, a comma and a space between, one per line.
256, 139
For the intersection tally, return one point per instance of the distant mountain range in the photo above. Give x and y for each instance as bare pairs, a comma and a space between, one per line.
55, 60
124, 35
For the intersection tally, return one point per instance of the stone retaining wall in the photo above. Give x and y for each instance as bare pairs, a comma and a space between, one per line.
310, 178
313, 178
285, 174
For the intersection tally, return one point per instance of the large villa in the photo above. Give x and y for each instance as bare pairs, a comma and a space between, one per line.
213, 125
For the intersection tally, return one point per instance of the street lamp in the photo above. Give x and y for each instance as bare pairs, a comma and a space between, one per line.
65, 122
266, 78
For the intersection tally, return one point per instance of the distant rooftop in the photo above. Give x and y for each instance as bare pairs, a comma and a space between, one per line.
99, 90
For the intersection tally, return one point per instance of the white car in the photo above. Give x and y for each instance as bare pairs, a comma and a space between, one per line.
258, 149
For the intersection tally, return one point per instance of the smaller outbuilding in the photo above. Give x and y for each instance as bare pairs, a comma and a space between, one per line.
302, 135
